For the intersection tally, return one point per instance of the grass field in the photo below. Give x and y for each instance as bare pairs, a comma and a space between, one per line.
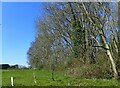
43, 77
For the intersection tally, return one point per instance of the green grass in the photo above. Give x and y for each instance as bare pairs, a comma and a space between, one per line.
43, 77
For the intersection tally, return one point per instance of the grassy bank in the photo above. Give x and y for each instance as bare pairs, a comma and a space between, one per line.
44, 78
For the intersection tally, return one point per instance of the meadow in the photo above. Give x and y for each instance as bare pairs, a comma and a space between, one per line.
25, 77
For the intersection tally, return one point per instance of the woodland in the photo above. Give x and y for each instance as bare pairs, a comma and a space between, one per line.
78, 39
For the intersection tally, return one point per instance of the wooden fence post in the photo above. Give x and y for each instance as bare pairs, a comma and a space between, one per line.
34, 78
12, 81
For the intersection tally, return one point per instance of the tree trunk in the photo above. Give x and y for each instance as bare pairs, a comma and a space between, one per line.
110, 57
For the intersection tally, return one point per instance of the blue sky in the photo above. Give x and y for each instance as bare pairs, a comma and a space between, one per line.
18, 30
0, 32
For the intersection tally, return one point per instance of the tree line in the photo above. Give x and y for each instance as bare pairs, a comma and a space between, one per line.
79, 38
